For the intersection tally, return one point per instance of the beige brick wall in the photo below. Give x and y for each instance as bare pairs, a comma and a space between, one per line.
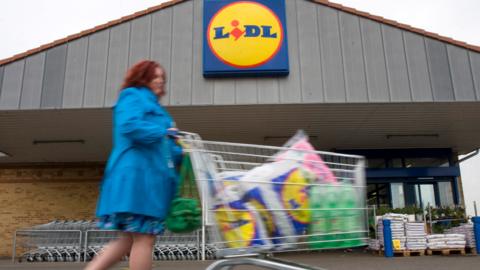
39, 194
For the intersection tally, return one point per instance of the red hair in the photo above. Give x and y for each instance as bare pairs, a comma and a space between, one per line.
141, 74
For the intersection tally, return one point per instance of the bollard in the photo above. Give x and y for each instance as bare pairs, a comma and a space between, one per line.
476, 231
387, 238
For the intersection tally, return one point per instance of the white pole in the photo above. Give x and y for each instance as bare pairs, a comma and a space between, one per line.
475, 208
430, 217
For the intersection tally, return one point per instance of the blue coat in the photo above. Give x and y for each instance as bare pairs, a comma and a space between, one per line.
139, 176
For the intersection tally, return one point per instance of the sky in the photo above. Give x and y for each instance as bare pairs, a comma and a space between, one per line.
27, 24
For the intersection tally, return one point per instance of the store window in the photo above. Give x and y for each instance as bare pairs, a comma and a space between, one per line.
378, 194
426, 162
398, 196
424, 195
445, 193
376, 163
396, 163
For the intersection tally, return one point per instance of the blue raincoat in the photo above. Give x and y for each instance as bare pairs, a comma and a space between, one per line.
140, 177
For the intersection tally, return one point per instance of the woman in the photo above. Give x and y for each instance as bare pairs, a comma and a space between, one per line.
140, 178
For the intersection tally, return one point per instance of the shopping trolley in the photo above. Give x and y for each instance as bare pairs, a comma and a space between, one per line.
258, 200
56, 241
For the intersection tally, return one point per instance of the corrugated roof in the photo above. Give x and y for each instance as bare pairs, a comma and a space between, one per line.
174, 2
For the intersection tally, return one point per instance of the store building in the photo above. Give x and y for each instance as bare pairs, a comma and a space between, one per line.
407, 99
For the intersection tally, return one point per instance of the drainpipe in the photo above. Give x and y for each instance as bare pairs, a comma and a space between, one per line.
474, 153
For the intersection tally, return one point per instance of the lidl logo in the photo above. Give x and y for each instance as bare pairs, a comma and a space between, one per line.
245, 34
245, 38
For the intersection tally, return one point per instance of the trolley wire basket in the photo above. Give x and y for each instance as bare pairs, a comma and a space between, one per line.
263, 199
48, 245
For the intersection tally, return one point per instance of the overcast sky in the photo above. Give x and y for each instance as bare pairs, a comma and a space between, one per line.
27, 24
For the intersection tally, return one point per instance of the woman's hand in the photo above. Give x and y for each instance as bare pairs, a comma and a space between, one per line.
172, 133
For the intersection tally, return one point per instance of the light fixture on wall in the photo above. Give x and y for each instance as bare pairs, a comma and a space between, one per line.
35, 142
3, 154
392, 136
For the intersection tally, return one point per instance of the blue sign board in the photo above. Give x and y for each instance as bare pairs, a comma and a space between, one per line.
244, 38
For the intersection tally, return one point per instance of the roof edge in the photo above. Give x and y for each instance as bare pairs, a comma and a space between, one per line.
174, 2
90, 31
396, 24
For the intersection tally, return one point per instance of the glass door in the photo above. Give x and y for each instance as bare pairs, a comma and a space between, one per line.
378, 194
425, 195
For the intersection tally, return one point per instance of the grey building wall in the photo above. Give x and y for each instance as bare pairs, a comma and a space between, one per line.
335, 57
2, 68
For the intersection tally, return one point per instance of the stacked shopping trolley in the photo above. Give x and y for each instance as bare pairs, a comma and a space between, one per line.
74, 241
54, 241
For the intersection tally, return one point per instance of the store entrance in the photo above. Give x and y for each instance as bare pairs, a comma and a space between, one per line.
400, 193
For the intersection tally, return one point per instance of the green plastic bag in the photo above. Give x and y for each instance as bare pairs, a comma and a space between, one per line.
185, 214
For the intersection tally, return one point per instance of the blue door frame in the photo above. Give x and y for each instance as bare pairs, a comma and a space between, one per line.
416, 175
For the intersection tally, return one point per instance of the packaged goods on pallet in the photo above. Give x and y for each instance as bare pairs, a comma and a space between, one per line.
416, 243
416, 236
397, 225
415, 229
455, 240
436, 241
395, 217
467, 230
374, 244
446, 241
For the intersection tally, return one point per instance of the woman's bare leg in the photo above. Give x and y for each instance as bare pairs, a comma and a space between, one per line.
141, 253
112, 253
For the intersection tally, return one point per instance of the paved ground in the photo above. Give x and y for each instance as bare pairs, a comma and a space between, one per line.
327, 260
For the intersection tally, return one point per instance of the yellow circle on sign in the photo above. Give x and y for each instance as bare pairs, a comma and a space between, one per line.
245, 34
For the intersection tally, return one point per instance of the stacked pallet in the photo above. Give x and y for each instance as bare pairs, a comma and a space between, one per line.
446, 244
403, 253
374, 244
397, 224
416, 236
467, 230
438, 241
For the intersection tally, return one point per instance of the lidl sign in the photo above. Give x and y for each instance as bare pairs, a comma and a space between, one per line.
244, 38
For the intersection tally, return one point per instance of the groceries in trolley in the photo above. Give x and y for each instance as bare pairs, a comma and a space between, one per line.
336, 217
237, 218
278, 190
293, 197
301, 151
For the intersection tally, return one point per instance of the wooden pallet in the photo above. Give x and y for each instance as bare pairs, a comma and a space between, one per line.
446, 251
470, 250
416, 252
402, 253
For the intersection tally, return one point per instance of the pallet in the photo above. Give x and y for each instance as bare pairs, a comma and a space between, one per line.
446, 251
470, 250
402, 253
416, 252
